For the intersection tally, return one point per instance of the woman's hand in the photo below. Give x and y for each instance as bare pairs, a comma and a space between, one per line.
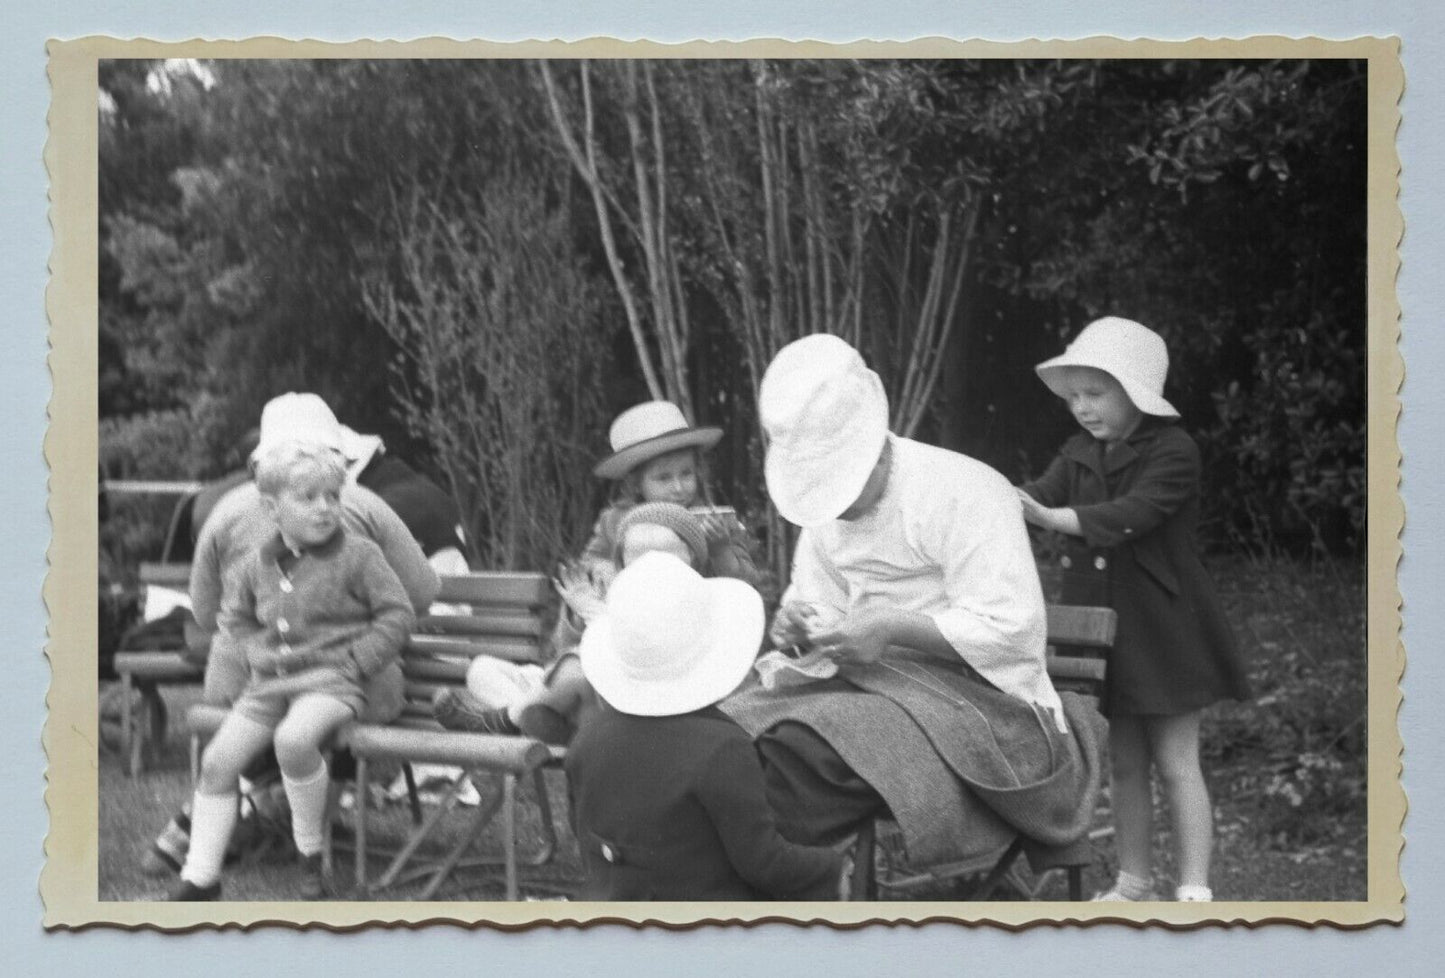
790, 624
859, 638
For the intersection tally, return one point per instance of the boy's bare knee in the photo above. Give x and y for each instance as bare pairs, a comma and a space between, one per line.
295, 747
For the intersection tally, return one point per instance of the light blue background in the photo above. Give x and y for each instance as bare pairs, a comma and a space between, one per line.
1414, 948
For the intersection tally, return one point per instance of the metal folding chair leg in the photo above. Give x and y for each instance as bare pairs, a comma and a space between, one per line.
544, 812
419, 835
127, 725
864, 883
1000, 870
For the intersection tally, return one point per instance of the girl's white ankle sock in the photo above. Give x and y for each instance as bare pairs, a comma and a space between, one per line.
307, 798
1127, 887
1193, 893
213, 818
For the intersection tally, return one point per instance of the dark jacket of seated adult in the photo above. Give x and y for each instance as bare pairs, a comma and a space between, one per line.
672, 808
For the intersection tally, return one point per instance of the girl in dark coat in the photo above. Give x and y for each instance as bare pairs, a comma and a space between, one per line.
1125, 492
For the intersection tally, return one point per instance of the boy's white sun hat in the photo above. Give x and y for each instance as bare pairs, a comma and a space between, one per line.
1131, 353
671, 641
649, 430
293, 417
826, 417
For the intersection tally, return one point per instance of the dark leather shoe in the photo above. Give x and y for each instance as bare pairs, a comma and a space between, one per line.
186, 891
315, 884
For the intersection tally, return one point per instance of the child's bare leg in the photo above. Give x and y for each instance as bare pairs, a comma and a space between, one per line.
1174, 743
1132, 802
213, 810
309, 724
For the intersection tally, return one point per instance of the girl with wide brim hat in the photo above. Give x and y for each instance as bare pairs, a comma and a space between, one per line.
648, 431
1131, 353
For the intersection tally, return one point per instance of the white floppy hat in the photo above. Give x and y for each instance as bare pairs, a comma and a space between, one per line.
359, 449
1131, 353
671, 641
294, 417
647, 431
826, 417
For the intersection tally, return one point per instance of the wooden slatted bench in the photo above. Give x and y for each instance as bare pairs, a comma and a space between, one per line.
1079, 642
143, 672
510, 614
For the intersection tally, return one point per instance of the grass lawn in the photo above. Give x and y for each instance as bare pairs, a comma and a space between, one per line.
1286, 772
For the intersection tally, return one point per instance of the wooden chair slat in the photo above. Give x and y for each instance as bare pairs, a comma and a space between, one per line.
511, 649
1088, 627
164, 666
419, 668
497, 588
467, 750
1066, 667
521, 625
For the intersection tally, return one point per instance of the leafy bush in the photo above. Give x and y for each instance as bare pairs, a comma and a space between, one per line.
1296, 754
156, 446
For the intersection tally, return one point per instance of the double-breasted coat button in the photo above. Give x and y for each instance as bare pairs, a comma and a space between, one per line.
608, 853
1100, 563
282, 625
1066, 562
287, 587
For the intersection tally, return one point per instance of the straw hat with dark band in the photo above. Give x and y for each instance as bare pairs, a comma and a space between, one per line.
647, 431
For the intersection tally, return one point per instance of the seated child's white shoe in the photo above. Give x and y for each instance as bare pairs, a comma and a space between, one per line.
1194, 893
1126, 889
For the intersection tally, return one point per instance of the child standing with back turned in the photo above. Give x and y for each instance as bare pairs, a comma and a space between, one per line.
1125, 493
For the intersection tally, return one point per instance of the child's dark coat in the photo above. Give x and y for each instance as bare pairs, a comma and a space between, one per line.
1138, 507
672, 808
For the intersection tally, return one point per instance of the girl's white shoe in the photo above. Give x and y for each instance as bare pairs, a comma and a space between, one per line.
1194, 893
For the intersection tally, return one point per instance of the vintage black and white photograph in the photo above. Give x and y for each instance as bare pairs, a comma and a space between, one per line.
873, 480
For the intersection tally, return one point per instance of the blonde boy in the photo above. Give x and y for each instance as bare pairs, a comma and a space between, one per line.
317, 613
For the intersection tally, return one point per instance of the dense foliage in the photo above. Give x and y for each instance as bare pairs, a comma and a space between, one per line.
483, 261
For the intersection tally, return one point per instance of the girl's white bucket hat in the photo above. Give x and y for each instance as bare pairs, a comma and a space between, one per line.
1131, 353
649, 430
826, 417
671, 641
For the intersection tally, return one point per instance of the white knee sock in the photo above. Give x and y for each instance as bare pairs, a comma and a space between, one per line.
213, 817
307, 798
